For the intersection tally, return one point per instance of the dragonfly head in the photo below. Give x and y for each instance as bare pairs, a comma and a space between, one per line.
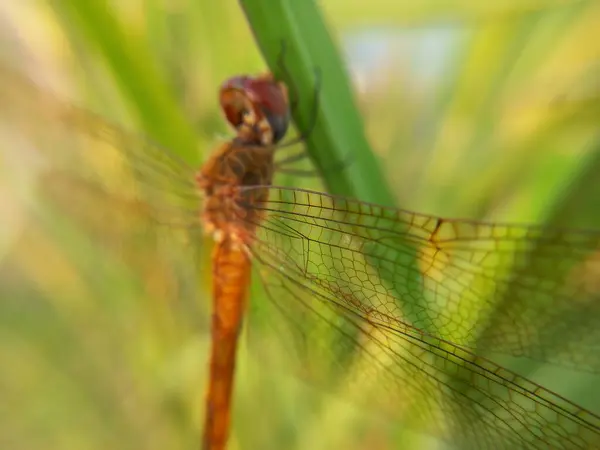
257, 107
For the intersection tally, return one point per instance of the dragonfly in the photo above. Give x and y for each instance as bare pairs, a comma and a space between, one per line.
421, 299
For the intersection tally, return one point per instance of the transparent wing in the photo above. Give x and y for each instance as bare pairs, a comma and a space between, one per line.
399, 297
427, 383
519, 290
75, 152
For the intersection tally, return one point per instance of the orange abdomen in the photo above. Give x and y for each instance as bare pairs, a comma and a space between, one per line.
231, 278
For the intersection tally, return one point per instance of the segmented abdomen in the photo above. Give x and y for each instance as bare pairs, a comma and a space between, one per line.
231, 278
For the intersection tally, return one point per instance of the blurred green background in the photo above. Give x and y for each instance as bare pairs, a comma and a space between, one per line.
471, 109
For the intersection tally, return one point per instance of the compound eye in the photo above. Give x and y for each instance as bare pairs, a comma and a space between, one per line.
255, 102
236, 107
279, 124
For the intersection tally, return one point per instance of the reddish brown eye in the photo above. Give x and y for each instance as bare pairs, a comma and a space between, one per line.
261, 97
234, 100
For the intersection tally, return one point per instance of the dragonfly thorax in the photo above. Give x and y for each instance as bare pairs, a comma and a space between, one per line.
230, 209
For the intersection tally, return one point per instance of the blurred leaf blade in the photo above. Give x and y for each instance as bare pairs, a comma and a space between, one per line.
337, 143
384, 13
135, 72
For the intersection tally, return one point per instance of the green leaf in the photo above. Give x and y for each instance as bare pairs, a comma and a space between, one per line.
309, 61
134, 71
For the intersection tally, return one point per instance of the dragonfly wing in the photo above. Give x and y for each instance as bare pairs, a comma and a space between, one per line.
423, 381
517, 290
67, 147
390, 300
